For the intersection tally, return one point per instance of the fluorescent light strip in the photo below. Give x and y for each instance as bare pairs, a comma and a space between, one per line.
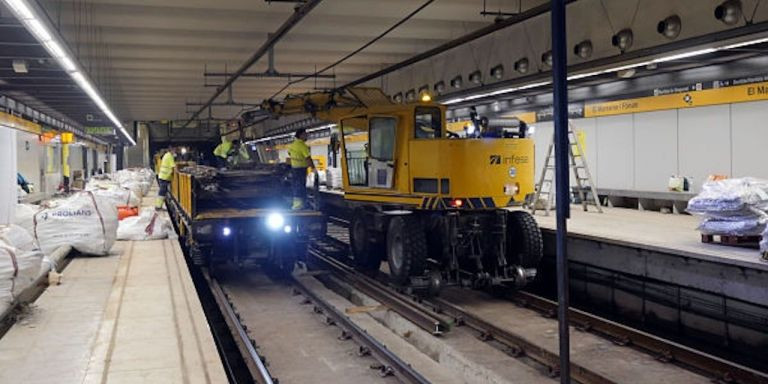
664, 59
34, 25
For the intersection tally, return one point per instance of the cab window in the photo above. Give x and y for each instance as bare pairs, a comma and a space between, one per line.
356, 146
428, 123
382, 138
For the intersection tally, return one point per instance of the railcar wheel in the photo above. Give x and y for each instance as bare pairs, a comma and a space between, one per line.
367, 254
525, 246
406, 248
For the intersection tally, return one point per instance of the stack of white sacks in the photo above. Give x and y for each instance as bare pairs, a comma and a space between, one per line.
732, 207
333, 178
86, 221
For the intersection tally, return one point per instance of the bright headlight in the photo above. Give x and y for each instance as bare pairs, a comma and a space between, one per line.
275, 221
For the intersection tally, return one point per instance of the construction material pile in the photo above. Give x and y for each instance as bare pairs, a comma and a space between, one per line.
732, 207
148, 225
124, 188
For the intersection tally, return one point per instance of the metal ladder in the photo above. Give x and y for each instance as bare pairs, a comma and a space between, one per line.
578, 162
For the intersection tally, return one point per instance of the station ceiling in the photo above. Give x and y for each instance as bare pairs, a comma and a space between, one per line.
149, 58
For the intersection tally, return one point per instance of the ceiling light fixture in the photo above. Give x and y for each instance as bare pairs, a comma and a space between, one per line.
546, 58
497, 72
670, 27
583, 49
440, 87
28, 16
476, 77
624, 69
623, 39
410, 95
729, 12
522, 65
456, 82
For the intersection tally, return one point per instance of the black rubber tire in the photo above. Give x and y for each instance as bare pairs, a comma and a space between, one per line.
525, 246
366, 253
409, 232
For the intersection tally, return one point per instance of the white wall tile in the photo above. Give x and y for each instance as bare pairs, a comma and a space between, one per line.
655, 149
704, 142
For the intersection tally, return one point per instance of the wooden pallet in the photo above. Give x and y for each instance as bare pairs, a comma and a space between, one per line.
741, 241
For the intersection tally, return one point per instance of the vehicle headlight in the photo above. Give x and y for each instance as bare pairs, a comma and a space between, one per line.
275, 221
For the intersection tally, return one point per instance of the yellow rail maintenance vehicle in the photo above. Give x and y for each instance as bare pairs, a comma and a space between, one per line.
241, 217
431, 202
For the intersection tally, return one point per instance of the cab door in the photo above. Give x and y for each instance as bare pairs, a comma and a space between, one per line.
382, 135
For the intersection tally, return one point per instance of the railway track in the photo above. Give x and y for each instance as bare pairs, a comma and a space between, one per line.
428, 313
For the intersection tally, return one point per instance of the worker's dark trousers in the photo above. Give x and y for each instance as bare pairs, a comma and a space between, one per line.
160, 200
299, 184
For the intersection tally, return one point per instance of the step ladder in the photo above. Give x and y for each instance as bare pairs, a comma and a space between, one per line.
578, 164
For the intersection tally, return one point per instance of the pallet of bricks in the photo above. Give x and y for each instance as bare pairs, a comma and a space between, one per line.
734, 212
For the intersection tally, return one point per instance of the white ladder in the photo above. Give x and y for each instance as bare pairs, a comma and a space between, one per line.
578, 164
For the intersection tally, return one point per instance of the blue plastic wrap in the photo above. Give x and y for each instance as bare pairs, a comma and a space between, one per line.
746, 227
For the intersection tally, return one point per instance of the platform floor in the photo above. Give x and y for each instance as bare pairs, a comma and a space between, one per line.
655, 231
130, 317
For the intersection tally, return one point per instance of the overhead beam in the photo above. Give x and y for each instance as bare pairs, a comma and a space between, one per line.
265, 74
272, 39
526, 15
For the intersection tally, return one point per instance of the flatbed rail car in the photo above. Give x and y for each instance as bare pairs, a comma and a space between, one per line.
241, 216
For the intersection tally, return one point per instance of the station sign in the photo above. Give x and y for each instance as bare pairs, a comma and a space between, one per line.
16, 122
100, 131
728, 91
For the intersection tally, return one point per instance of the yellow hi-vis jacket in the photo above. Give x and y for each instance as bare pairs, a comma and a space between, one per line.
223, 149
166, 167
298, 151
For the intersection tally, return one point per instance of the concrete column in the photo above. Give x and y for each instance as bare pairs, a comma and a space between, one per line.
8, 169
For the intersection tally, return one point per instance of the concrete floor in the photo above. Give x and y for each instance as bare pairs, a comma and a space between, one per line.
653, 230
619, 364
298, 346
130, 317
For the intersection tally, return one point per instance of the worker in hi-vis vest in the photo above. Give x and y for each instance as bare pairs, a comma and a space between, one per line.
300, 160
221, 151
167, 164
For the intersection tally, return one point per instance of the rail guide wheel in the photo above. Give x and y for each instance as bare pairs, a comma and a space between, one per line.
525, 247
367, 254
406, 247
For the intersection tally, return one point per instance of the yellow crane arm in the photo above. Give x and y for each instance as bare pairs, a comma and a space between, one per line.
328, 106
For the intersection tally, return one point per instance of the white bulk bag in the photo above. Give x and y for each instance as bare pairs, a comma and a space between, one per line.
119, 196
148, 225
20, 261
84, 221
25, 214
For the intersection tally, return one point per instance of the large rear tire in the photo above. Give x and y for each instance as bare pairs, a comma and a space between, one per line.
525, 246
406, 248
367, 255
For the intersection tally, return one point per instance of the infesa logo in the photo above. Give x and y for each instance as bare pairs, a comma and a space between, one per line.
498, 160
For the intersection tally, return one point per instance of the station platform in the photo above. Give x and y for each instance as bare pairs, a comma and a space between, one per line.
652, 231
132, 316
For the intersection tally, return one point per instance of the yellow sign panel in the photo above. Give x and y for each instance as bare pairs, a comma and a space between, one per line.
319, 161
16, 122
527, 117
735, 94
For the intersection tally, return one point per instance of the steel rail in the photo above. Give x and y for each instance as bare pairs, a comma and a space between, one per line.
272, 39
518, 344
666, 350
379, 292
258, 368
392, 363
